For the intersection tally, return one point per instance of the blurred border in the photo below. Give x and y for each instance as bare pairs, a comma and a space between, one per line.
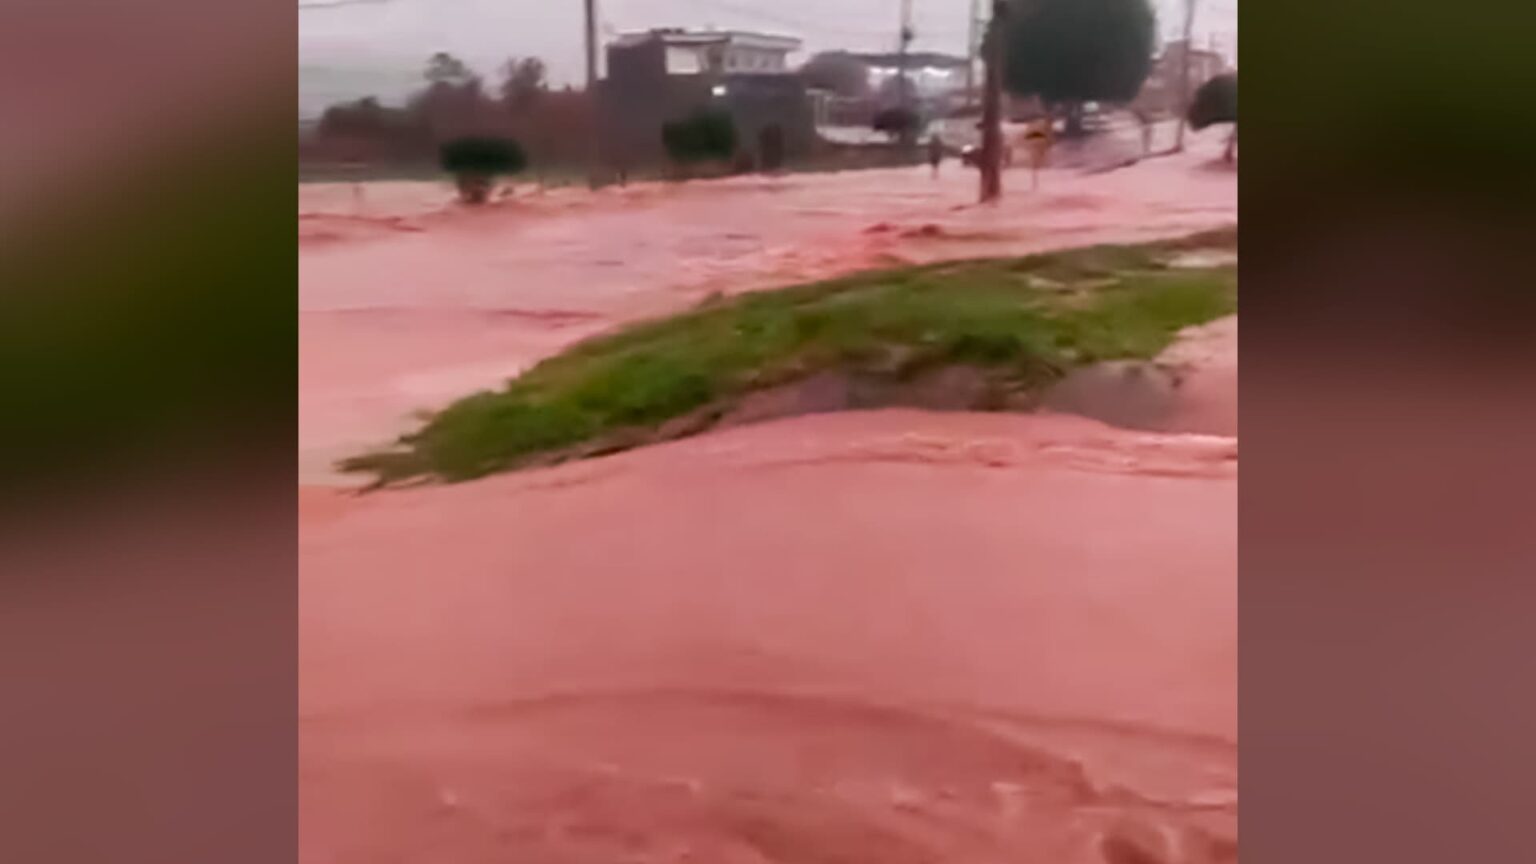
148, 349
1386, 409
148, 358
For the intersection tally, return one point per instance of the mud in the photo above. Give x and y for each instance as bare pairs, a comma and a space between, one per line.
408, 301
936, 635
896, 636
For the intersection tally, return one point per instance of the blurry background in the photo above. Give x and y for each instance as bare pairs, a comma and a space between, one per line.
382, 83
349, 49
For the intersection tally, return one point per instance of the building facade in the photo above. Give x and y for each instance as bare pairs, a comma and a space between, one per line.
664, 75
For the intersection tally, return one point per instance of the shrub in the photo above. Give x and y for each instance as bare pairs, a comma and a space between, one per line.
706, 135
475, 162
1215, 102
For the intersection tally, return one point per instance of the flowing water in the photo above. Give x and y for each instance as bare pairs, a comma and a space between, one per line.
890, 636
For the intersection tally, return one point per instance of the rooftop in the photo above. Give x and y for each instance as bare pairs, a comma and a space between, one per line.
680, 36
913, 59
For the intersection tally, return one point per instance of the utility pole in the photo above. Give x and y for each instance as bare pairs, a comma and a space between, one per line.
594, 110
903, 85
993, 46
970, 52
1183, 105
591, 33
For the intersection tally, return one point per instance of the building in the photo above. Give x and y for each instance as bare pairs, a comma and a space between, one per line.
933, 77
663, 75
855, 86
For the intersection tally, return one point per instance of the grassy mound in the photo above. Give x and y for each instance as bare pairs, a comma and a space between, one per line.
1026, 321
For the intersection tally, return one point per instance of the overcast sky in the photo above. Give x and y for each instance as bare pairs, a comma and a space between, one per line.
485, 32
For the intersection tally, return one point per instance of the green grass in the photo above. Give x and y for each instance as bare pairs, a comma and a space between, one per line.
1028, 319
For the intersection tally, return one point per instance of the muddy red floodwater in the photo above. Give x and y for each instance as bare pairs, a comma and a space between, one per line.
866, 637
407, 302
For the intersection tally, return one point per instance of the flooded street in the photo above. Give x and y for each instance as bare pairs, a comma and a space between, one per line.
407, 301
890, 636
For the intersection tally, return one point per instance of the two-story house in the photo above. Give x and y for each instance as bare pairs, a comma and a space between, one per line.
666, 74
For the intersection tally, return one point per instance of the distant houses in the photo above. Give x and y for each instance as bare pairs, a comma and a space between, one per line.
658, 76
783, 112
851, 87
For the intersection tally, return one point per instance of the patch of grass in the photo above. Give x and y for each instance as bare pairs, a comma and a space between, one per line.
1102, 303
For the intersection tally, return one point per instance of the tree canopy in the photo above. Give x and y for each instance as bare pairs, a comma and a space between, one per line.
1079, 50
523, 82
1215, 102
444, 68
482, 156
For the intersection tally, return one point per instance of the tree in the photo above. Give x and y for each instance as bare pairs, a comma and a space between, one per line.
523, 83
361, 118
451, 108
1216, 102
706, 135
838, 71
1068, 52
452, 102
444, 68
475, 162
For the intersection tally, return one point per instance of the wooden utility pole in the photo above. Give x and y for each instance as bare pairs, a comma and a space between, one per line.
1183, 105
591, 34
972, 44
993, 46
903, 84
594, 110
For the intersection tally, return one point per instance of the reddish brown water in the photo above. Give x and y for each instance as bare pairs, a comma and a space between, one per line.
407, 301
873, 637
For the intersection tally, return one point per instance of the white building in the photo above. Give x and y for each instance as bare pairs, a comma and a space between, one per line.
694, 52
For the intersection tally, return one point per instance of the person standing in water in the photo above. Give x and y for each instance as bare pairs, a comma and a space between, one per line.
935, 153
1038, 139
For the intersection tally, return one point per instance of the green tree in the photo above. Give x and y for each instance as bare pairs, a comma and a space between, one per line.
452, 103
1068, 52
476, 161
523, 83
1216, 102
706, 135
444, 68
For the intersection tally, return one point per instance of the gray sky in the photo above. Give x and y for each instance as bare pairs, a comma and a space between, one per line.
485, 32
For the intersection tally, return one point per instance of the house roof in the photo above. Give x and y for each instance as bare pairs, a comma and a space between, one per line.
914, 58
679, 36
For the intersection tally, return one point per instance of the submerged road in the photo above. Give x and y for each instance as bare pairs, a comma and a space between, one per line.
889, 636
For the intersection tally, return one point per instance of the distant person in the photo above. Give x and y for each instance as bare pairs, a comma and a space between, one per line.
1038, 138
1145, 119
935, 153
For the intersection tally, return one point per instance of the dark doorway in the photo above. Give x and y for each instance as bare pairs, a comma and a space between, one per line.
770, 145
